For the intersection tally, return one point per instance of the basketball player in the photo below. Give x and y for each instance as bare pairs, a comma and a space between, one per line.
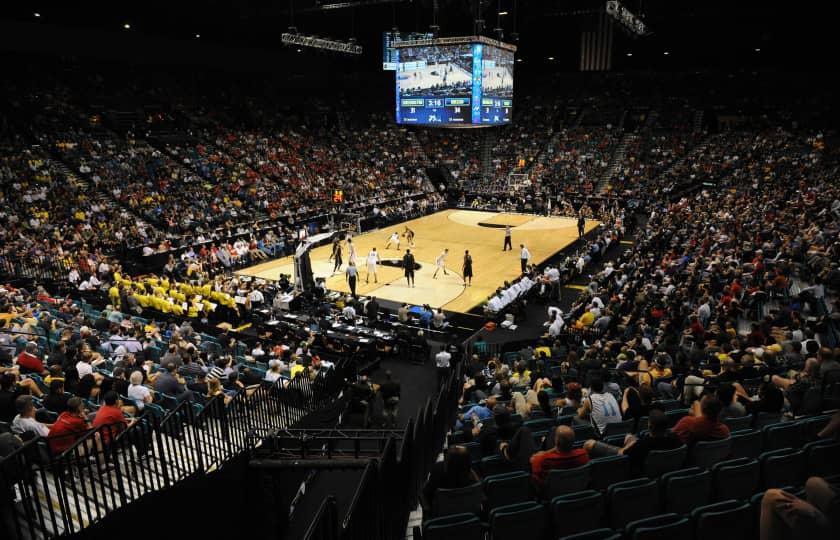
395, 237
508, 245
372, 261
467, 271
409, 236
408, 265
336, 254
351, 251
440, 262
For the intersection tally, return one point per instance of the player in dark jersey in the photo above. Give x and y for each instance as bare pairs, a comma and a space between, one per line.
409, 236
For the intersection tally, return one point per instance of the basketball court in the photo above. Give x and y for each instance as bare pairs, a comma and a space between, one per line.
482, 233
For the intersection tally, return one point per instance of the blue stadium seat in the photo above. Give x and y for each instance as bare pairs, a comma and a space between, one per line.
659, 462
565, 419
495, 464
725, 520
673, 416
618, 428
474, 449
506, 489
563, 481
596, 534
667, 404
783, 467
765, 419
684, 490
577, 512
608, 470
632, 500
454, 527
508, 522
465, 500
823, 457
736, 479
812, 426
539, 424
704, 454
737, 423
583, 433
781, 435
664, 527
745, 444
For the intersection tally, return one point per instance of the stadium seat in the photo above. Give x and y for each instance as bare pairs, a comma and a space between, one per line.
736, 479
666, 404
664, 527
465, 500
765, 419
615, 440
495, 464
823, 457
783, 467
597, 534
704, 454
782, 435
631, 500
608, 470
725, 520
673, 416
508, 522
539, 424
618, 428
474, 449
577, 512
737, 423
565, 420
583, 433
506, 489
686, 489
745, 444
563, 481
453, 527
812, 426
659, 462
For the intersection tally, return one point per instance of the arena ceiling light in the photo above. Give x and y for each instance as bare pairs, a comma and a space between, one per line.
320, 43
631, 23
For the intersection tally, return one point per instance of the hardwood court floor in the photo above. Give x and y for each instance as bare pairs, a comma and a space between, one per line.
457, 230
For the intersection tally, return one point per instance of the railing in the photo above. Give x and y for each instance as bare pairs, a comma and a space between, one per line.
46, 495
39, 267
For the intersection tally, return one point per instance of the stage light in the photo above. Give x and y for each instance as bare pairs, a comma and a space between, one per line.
551, 58
319, 43
758, 50
629, 54
127, 26
36, 14
518, 59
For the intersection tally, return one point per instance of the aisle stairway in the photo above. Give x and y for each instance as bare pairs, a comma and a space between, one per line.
616, 162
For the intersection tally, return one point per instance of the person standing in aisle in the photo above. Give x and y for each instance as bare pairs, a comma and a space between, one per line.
351, 274
508, 245
336, 254
440, 262
524, 256
467, 270
408, 265
372, 261
442, 360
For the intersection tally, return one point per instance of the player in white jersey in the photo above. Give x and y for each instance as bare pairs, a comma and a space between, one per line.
351, 251
395, 238
372, 261
440, 262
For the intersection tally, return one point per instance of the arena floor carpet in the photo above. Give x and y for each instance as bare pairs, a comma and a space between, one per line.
482, 233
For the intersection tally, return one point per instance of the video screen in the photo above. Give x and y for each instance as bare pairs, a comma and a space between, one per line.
435, 84
496, 85
389, 39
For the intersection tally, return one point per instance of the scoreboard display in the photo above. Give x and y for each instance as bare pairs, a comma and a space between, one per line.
454, 82
389, 39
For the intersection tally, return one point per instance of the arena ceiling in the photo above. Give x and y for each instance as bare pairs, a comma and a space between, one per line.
710, 34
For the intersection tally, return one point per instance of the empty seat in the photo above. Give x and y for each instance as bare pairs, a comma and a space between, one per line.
781, 435
563, 481
495, 464
673, 416
765, 419
454, 527
736, 479
608, 470
745, 444
737, 423
704, 454
783, 467
664, 527
615, 440
632, 500
823, 457
684, 490
666, 404
508, 522
539, 424
618, 428
566, 420
506, 489
596, 534
577, 512
583, 433
474, 449
465, 500
812, 426
659, 462
726, 520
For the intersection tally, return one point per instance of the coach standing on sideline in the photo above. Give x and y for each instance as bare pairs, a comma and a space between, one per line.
524, 256
508, 245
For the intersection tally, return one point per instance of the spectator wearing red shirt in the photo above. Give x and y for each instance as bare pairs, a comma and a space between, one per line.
28, 360
70, 426
110, 414
562, 456
703, 424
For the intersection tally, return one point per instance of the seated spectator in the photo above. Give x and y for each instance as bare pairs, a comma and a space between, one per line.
599, 407
703, 424
56, 400
637, 448
70, 426
562, 456
453, 472
29, 361
770, 399
171, 384
25, 420
139, 394
732, 408
111, 414
784, 515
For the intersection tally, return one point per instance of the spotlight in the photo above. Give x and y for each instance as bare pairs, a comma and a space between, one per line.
629, 54
757, 50
127, 26
666, 53
36, 14
502, 13
551, 58
197, 36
